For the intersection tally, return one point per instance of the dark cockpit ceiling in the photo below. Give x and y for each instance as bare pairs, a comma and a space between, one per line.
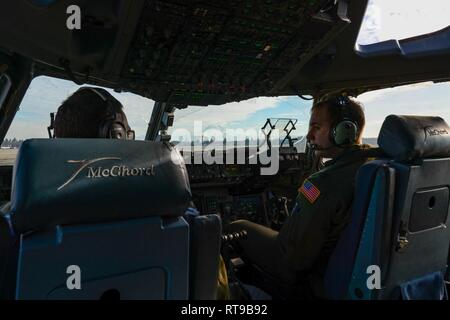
211, 52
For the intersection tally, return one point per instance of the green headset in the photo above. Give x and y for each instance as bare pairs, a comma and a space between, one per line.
344, 132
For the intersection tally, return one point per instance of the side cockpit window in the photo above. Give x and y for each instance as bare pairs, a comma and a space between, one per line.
409, 28
424, 99
401, 19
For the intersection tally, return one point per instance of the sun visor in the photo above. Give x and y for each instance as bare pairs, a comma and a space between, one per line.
405, 138
77, 181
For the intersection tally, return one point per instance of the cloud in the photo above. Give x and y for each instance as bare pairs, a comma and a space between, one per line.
27, 130
426, 98
138, 110
377, 94
46, 94
225, 114
371, 25
400, 19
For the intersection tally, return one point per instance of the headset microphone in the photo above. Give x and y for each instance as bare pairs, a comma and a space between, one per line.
315, 147
51, 127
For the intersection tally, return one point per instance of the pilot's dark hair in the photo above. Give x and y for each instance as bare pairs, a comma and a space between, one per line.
81, 114
353, 110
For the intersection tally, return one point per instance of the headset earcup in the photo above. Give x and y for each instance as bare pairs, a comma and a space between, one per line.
112, 129
103, 129
117, 131
345, 133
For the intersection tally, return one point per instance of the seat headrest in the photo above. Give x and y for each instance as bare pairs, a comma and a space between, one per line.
76, 181
405, 138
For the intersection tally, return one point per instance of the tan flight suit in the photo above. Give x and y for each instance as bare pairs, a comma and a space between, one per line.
307, 238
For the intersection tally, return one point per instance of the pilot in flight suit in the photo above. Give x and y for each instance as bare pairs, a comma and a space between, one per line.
297, 256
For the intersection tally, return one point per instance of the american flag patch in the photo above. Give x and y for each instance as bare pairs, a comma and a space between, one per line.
309, 191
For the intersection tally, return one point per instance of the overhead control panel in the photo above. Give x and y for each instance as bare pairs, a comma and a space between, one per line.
212, 52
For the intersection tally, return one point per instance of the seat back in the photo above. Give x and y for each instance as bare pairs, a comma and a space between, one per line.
99, 219
135, 259
398, 229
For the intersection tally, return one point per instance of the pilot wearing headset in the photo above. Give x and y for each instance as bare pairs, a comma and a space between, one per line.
88, 113
297, 256
91, 113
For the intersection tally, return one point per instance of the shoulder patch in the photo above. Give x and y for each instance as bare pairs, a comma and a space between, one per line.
310, 191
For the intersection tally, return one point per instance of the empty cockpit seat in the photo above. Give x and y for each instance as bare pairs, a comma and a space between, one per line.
94, 219
396, 244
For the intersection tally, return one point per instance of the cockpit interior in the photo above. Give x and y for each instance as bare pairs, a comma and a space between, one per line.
179, 54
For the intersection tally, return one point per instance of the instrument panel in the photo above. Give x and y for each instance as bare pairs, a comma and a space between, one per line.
239, 191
